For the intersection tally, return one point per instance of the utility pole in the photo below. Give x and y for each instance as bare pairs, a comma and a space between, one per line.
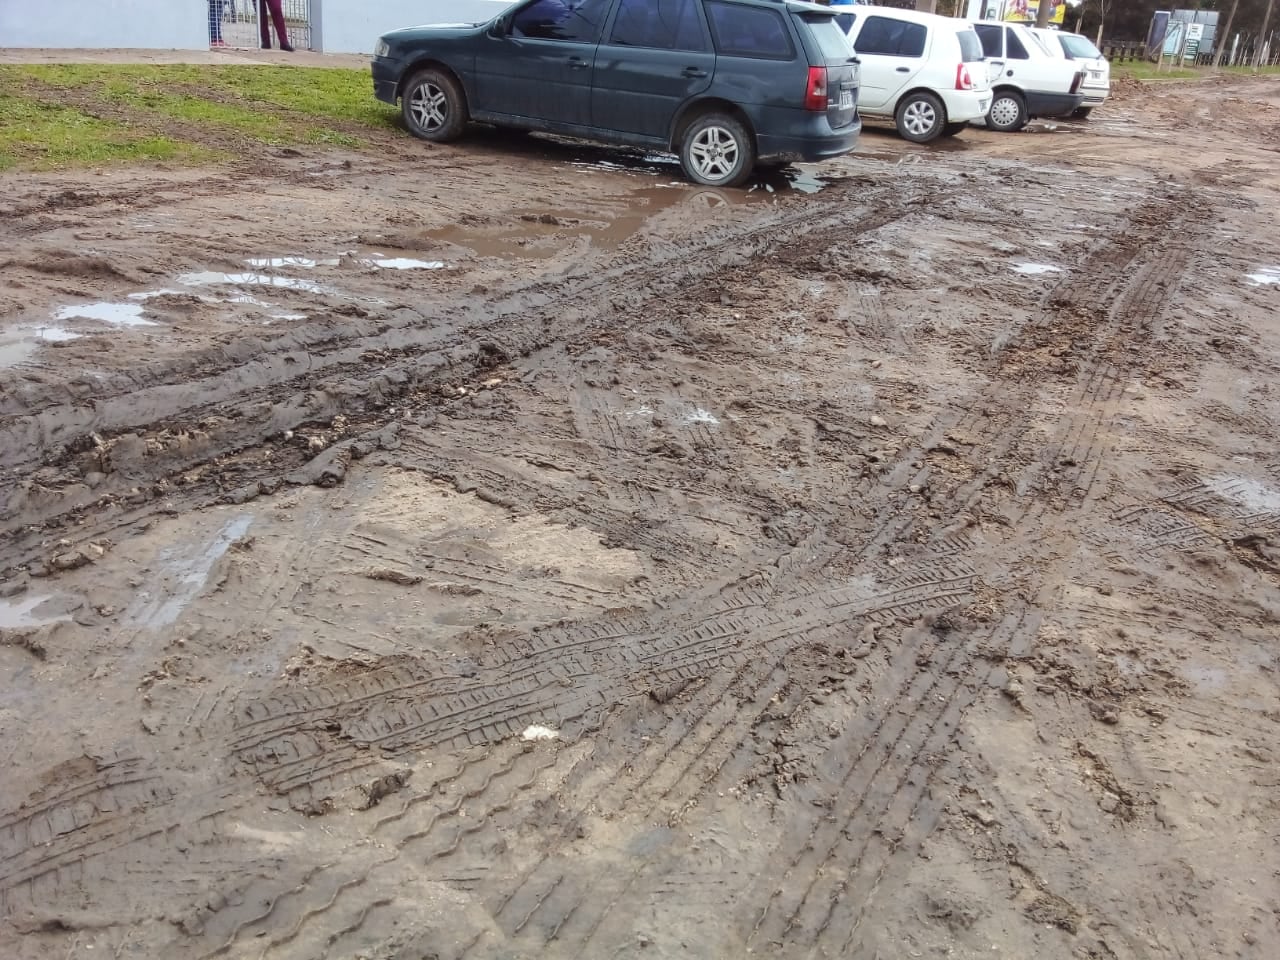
1044, 11
927, 6
1263, 49
1226, 35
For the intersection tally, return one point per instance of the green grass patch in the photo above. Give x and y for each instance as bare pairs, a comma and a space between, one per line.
316, 91
1252, 71
36, 136
148, 112
1142, 70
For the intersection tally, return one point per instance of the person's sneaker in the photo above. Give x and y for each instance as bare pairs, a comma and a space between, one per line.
218, 43
286, 48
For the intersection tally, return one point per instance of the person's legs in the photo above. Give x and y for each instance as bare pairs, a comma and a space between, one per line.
264, 28
277, 14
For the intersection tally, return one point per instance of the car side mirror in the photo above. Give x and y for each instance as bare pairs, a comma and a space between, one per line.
500, 27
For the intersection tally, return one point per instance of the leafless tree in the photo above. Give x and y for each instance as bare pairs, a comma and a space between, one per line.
1225, 36
1102, 20
1263, 49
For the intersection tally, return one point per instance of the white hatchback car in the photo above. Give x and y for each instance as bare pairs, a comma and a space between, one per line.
1097, 71
924, 72
1028, 81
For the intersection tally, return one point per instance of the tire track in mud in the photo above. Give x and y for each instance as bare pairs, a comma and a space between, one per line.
1122, 294
566, 907
629, 658
422, 727
837, 911
732, 603
238, 405
892, 527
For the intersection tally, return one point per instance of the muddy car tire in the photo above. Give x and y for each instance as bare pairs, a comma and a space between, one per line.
1082, 113
717, 150
920, 117
433, 106
952, 129
1008, 112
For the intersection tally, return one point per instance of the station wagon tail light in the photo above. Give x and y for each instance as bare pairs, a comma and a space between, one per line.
963, 80
815, 97
1075, 84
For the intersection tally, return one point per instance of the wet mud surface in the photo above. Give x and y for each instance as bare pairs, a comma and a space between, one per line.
510, 551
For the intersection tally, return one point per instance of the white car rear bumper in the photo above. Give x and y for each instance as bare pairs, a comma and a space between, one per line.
1095, 96
965, 105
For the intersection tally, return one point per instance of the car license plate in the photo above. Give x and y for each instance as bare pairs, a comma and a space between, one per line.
846, 99
1095, 74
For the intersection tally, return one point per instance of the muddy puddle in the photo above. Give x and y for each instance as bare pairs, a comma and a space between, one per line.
31, 611
21, 344
183, 573
543, 233
115, 314
1035, 269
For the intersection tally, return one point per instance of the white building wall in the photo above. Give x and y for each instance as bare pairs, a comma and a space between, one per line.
137, 24
353, 26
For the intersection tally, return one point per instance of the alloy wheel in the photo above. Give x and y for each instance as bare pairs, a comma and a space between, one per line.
714, 153
429, 106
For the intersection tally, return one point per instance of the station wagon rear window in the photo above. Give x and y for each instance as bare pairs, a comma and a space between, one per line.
750, 32
832, 41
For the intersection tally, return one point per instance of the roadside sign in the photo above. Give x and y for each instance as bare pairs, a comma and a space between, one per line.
1024, 11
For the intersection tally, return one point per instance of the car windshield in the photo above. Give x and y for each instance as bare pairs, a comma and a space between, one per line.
1079, 47
970, 46
832, 41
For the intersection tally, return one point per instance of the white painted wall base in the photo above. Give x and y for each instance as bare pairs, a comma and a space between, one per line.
105, 24
353, 26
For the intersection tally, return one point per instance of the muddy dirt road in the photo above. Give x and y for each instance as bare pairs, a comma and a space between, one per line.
509, 551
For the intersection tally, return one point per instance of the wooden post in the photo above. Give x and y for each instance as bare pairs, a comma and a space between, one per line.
1043, 11
927, 6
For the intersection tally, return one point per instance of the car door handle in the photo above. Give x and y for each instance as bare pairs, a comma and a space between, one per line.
577, 63
904, 69
693, 73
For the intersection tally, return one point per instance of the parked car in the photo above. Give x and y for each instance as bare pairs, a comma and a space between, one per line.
724, 84
1096, 85
1026, 81
923, 72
